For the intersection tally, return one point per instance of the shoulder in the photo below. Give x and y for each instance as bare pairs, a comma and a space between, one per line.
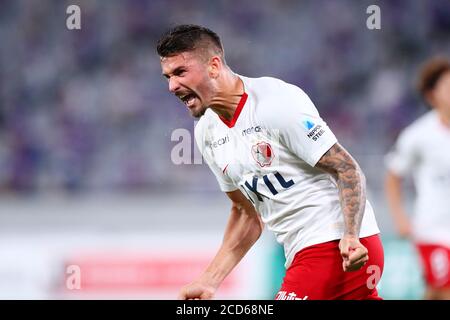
277, 101
204, 125
269, 86
419, 127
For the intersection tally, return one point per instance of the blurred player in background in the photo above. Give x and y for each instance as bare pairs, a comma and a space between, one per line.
281, 166
423, 150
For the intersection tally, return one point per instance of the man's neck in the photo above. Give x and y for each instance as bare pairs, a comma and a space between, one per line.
228, 95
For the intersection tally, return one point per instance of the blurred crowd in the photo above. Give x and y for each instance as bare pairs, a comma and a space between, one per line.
88, 109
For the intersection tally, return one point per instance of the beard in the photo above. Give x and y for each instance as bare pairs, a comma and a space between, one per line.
198, 111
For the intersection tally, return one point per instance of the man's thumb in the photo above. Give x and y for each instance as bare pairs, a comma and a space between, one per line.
344, 251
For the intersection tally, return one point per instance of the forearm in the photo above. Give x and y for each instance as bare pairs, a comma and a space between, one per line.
243, 230
351, 184
352, 194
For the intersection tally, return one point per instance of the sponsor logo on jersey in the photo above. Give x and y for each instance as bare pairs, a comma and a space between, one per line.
283, 295
220, 142
262, 153
314, 131
253, 185
308, 124
251, 130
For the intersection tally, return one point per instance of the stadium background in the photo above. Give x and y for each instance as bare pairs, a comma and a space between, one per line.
86, 121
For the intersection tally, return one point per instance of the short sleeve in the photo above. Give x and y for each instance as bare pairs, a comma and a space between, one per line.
299, 125
225, 183
402, 156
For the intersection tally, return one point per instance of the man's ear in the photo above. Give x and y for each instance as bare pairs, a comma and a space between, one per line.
214, 67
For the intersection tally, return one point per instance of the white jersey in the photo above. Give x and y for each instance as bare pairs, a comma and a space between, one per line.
268, 151
423, 150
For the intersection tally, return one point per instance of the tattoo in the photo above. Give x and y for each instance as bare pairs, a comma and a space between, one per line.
351, 183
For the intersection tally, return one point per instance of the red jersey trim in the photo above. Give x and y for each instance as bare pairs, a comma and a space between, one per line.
237, 112
223, 171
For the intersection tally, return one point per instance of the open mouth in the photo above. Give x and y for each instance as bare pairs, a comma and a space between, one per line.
188, 99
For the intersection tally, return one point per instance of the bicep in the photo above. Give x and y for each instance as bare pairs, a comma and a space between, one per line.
242, 206
239, 201
337, 160
243, 210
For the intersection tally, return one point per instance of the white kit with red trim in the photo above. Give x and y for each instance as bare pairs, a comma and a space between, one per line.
423, 151
268, 150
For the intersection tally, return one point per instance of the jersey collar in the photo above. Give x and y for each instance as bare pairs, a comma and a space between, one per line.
237, 112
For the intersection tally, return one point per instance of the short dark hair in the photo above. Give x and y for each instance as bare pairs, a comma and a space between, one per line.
188, 37
430, 73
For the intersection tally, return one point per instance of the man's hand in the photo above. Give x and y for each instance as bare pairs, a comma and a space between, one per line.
354, 254
197, 291
243, 229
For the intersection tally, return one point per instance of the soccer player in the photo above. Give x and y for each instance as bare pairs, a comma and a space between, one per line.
281, 166
423, 150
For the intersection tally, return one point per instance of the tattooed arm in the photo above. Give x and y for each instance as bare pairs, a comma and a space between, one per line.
351, 182
352, 193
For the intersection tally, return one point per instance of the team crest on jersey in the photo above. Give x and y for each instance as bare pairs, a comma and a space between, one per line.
263, 154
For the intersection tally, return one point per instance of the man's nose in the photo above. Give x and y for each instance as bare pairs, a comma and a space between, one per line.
174, 85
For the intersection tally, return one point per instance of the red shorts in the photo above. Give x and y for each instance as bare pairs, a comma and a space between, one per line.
316, 274
435, 264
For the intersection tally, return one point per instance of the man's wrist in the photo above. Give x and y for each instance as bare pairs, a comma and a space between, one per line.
210, 278
350, 235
